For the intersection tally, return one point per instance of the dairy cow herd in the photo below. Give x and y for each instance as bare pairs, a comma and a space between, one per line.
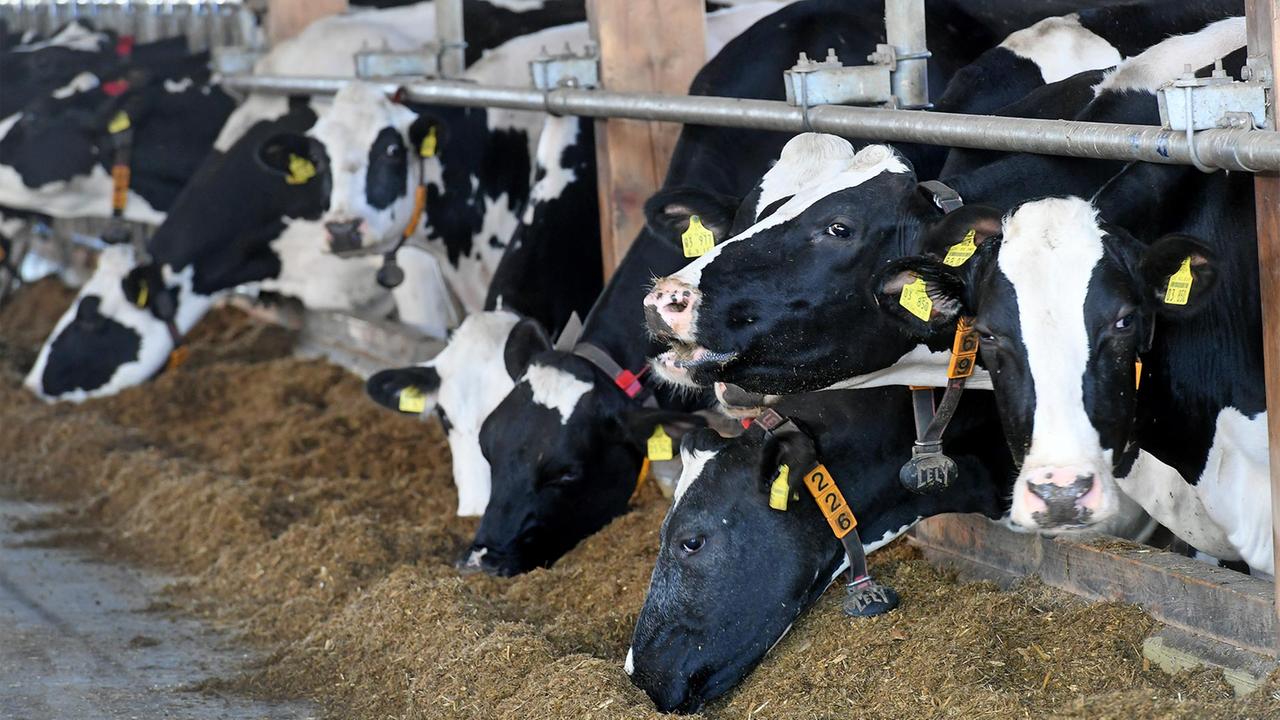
762, 331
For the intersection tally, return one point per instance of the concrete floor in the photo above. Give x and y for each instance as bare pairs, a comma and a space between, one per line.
77, 643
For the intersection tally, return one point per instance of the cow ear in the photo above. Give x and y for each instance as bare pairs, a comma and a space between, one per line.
669, 211
277, 153
142, 285
413, 390
920, 292
426, 136
1178, 275
640, 423
526, 340
954, 228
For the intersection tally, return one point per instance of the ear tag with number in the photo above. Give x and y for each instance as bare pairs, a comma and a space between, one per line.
300, 170
697, 240
959, 253
915, 298
143, 293
830, 501
780, 488
1179, 290
119, 123
412, 400
659, 445
430, 142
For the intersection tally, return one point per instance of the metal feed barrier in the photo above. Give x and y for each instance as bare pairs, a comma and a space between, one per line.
207, 24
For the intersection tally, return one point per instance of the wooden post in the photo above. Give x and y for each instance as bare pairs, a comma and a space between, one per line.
1264, 53
286, 18
645, 46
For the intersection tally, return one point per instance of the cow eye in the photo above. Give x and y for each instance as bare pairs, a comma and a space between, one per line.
1125, 322
564, 477
838, 229
394, 150
693, 544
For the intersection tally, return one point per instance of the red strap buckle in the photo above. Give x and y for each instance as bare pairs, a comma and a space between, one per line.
124, 46
115, 88
629, 383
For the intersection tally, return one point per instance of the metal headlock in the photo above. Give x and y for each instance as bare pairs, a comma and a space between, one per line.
1228, 149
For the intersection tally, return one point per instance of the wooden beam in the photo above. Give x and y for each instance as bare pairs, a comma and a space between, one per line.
1204, 599
1264, 57
645, 46
286, 18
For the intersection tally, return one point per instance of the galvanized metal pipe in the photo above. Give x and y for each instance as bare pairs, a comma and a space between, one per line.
450, 35
1227, 149
905, 31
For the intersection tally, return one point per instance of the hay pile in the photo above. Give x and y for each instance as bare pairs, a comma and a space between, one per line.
322, 527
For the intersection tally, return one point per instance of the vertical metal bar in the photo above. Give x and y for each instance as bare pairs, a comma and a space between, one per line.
450, 35
905, 31
1264, 49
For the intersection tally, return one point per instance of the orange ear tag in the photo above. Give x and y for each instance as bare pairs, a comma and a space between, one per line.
177, 357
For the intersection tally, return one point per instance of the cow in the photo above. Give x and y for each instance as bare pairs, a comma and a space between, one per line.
1099, 371
236, 222
755, 310
567, 411
32, 68
733, 573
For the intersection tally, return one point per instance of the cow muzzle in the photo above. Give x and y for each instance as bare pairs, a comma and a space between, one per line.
1059, 497
670, 309
345, 236
481, 558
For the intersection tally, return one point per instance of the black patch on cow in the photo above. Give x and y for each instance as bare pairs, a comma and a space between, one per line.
388, 170
88, 351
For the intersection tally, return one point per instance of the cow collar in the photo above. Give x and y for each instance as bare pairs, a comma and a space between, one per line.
120, 130
390, 275
630, 383
163, 304
865, 597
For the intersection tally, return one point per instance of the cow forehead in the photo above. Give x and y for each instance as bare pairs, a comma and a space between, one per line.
826, 178
556, 389
358, 113
694, 463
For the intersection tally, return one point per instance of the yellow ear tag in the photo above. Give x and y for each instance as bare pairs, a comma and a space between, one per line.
780, 488
915, 298
1179, 290
660, 445
143, 294
119, 123
300, 170
697, 240
429, 143
962, 251
412, 400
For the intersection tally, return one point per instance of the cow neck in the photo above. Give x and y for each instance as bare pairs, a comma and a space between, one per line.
163, 305
864, 596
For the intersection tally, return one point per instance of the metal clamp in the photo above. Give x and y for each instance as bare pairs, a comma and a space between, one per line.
1189, 104
830, 82
234, 59
385, 63
566, 69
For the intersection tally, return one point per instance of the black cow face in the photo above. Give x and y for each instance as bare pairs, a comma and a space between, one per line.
1064, 306
731, 576
564, 449
786, 305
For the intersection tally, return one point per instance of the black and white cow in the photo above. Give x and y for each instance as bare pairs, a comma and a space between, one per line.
566, 444
757, 309
753, 570
32, 68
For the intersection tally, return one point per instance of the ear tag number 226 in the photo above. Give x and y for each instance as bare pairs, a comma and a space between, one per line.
697, 240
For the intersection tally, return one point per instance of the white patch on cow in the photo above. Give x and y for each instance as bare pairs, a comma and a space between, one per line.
177, 86
843, 173
256, 109
73, 36
1235, 486
82, 196
1175, 503
322, 281
423, 301
518, 6
556, 389
629, 665
693, 463
84, 82
1049, 252
1166, 60
1062, 47
473, 382
7, 124
325, 47
807, 159
114, 263
919, 366
473, 560
558, 133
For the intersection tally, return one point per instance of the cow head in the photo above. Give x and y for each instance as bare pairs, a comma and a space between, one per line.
366, 150
1064, 305
759, 309
115, 334
462, 385
564, 449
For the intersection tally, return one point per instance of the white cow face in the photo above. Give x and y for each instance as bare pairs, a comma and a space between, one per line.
111, 338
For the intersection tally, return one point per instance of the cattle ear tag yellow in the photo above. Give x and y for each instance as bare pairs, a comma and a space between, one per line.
960, 252
119, 123
697, 240
412, 400
780, 488
1179, 289
915, 298
143, 293
430, 142
659, 445
300, 170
